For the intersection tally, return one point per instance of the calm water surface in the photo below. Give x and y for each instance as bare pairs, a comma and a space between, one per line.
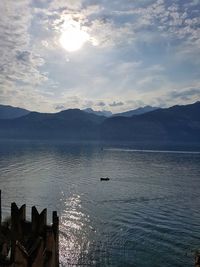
146, 215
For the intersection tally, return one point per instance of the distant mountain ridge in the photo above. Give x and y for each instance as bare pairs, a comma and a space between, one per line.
105, 113
174, 124
9, 112
129, 113
138, 111
68, 124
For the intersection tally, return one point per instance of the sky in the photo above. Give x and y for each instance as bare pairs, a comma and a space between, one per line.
107, 55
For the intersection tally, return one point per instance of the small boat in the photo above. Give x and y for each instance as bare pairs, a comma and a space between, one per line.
104, 179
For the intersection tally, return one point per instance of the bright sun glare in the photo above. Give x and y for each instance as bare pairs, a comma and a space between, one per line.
73, 37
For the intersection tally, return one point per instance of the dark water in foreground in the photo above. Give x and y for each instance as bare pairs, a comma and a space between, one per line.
146, 215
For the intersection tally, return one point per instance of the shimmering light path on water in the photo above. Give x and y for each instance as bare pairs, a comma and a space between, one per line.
146, 215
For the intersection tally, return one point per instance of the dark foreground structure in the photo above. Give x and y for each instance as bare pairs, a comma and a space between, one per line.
33, 243
29, 243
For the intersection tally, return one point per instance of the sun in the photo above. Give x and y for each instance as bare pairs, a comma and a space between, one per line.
73, 37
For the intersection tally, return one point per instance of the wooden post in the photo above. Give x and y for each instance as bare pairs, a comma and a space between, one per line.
32, 243
18, 215
39, 221
197, 260
55, 227
34, 219
0, 210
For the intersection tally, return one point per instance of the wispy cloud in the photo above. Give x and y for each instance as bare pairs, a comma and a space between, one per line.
187, 95
139, 52
116, 104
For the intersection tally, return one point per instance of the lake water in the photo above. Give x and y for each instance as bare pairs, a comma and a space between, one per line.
146, 215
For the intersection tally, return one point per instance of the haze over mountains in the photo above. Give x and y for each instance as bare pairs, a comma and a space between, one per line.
129, 113
137, 111
105, 113
9, 112
174, 124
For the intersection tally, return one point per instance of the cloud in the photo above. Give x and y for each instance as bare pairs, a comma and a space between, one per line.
116, 104
59, 107
170, 20
140, 51
185, 95
101, 104
179, 96
19, 64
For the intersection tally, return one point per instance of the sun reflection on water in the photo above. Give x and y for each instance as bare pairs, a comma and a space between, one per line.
74, 226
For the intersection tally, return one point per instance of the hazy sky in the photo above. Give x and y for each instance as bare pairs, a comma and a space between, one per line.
105, 54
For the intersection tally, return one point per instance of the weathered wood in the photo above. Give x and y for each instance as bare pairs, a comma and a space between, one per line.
0, 209
38, 260
18, 216
55, 227
21, 256
39, 221
197, 260
31, 243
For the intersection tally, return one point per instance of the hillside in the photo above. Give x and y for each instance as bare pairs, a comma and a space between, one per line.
137, 111
178, 123
68, 124
9, 112
174, 124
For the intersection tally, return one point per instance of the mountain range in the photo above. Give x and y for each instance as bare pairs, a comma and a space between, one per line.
105, 113
174, 124
9, 112
137, 111
129, 113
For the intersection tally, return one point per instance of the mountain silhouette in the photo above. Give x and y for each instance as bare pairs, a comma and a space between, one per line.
137, 111
105, 113
9, 112
68, 124
174, 124
177, 123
